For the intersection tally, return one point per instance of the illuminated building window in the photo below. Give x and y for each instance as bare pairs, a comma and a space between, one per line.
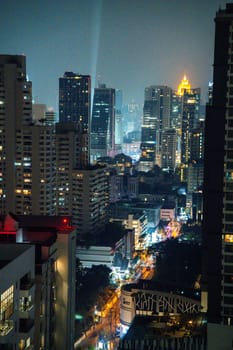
229, 176
228, 238
26, 192
7, 304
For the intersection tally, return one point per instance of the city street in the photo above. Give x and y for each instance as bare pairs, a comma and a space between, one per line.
105, 329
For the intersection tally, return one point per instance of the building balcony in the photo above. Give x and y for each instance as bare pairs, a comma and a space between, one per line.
25, 310
6, 327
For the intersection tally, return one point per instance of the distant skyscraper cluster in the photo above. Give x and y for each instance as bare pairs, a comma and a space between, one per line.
169, 120
44, 157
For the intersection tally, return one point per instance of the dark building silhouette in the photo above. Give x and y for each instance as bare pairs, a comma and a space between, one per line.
218, 189
75, 110
75, 99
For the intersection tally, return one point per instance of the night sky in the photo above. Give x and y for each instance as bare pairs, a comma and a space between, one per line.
128, 44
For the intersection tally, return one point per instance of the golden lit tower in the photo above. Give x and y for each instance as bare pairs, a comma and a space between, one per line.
184, 86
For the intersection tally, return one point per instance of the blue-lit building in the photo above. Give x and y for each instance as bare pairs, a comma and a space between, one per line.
103, 123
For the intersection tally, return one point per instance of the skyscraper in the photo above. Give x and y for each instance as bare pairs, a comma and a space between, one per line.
168, 149
90, 200
75, 107
156, 117
81, 188
103, 123
187, 103
197, 142
190, 118
118, 121
218, 189
26, 147
68, 157
75, 99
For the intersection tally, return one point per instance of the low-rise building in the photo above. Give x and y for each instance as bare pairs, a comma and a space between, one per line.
168, 212
95, 255
137, 222
148, 298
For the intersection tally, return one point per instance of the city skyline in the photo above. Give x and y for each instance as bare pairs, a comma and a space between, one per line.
126, 44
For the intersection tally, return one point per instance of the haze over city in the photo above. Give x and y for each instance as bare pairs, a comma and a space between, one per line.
126, 44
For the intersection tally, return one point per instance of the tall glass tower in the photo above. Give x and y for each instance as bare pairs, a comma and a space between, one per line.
103, 122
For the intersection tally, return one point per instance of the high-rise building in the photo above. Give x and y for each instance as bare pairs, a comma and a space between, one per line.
195, 176
190, 106
118, 122
75, 107
176, 116
168, 149
75, 99
184, 86
185, 119
90, 200
82, 190
67, 149
103, 123
26, 146
190, 118
218, 189
13, 118
131, 118
197, 142
156, 118
195, 167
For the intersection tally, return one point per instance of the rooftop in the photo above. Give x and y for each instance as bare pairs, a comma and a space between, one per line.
11, 251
